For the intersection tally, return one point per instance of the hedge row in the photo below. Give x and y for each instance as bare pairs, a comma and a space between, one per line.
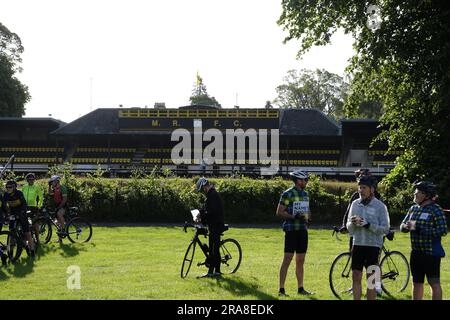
169, 200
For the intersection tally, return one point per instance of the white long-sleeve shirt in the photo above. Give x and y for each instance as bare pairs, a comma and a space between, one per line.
374, 213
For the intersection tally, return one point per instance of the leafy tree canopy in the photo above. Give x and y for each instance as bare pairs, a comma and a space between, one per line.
402, 60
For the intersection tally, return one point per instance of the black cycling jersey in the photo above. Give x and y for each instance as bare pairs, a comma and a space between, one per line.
212, 212
15, 202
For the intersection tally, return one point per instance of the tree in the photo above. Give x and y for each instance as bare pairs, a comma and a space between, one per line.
13, 94
402, 59
200, 94
317, 89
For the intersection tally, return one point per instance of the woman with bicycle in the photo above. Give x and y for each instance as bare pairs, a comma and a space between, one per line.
426, 223
368, 222
13, 201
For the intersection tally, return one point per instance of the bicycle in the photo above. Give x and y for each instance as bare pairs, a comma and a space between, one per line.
8, 246
394, 267
230, 251
76, 229
16, 241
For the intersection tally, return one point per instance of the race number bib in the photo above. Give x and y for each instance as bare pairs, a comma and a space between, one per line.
301, 207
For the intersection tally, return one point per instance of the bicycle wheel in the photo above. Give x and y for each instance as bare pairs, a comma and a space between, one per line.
14, 246
6, 250
79, 230
395, 273
44, 228
230, 256
341, 276
188, 258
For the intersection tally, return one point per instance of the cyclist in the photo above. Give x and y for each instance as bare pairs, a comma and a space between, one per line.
355, 195
368, 222
427, 224
212, 215
293, 207
34, 196
14, 202
59, 193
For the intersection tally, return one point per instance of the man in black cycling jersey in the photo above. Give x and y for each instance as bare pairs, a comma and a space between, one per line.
14, 202
212, 215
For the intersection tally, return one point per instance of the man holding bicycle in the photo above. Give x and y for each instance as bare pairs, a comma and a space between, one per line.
59, 193
14, 202
293, 207
368, 222
212, 215
34, 196
427, 224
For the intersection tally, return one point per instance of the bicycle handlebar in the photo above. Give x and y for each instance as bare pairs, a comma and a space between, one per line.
336, 231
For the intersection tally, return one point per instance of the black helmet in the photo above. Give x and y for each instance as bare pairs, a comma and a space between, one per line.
367, 181
30, 175
427, 187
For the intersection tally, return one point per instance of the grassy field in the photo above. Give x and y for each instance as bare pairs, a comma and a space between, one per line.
144, 263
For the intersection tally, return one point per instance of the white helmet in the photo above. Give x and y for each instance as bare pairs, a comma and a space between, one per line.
299, 175
54, 178
201, 183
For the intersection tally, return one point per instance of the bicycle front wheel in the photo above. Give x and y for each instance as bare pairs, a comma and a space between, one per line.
14, 247
188, 258
230, 256
395, 273
79, 230
44, 228
340, 278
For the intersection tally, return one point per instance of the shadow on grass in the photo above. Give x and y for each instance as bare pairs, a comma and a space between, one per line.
71, 250
240, 287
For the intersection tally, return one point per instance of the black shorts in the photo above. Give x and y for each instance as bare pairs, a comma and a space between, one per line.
425, 265
296, 241
364, 256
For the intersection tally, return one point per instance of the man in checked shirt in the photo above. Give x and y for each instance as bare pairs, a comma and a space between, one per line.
426, 223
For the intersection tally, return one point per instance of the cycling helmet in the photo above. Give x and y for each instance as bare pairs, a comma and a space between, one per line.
427, 187
362, 172
30, 175
299, 175
201, 183
54, 178
367, 181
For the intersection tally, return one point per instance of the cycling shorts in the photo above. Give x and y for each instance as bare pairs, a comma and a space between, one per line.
296, 241
425, 265
364, 256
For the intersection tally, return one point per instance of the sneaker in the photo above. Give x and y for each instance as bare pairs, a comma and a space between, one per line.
207, 275
218, 274
282, 293
305, 293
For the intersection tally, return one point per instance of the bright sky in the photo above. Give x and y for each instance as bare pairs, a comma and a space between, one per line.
84, 54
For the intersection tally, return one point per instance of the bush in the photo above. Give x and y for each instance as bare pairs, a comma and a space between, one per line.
147, 198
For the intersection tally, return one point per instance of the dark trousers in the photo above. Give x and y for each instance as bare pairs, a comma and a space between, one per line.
214, 249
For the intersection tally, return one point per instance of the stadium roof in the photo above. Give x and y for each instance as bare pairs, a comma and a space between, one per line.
14, 121
105, 121
307, 122
99, 121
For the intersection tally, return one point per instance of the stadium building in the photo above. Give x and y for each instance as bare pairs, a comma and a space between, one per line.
121, 139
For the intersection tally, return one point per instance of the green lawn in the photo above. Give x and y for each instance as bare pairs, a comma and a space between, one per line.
144, 263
